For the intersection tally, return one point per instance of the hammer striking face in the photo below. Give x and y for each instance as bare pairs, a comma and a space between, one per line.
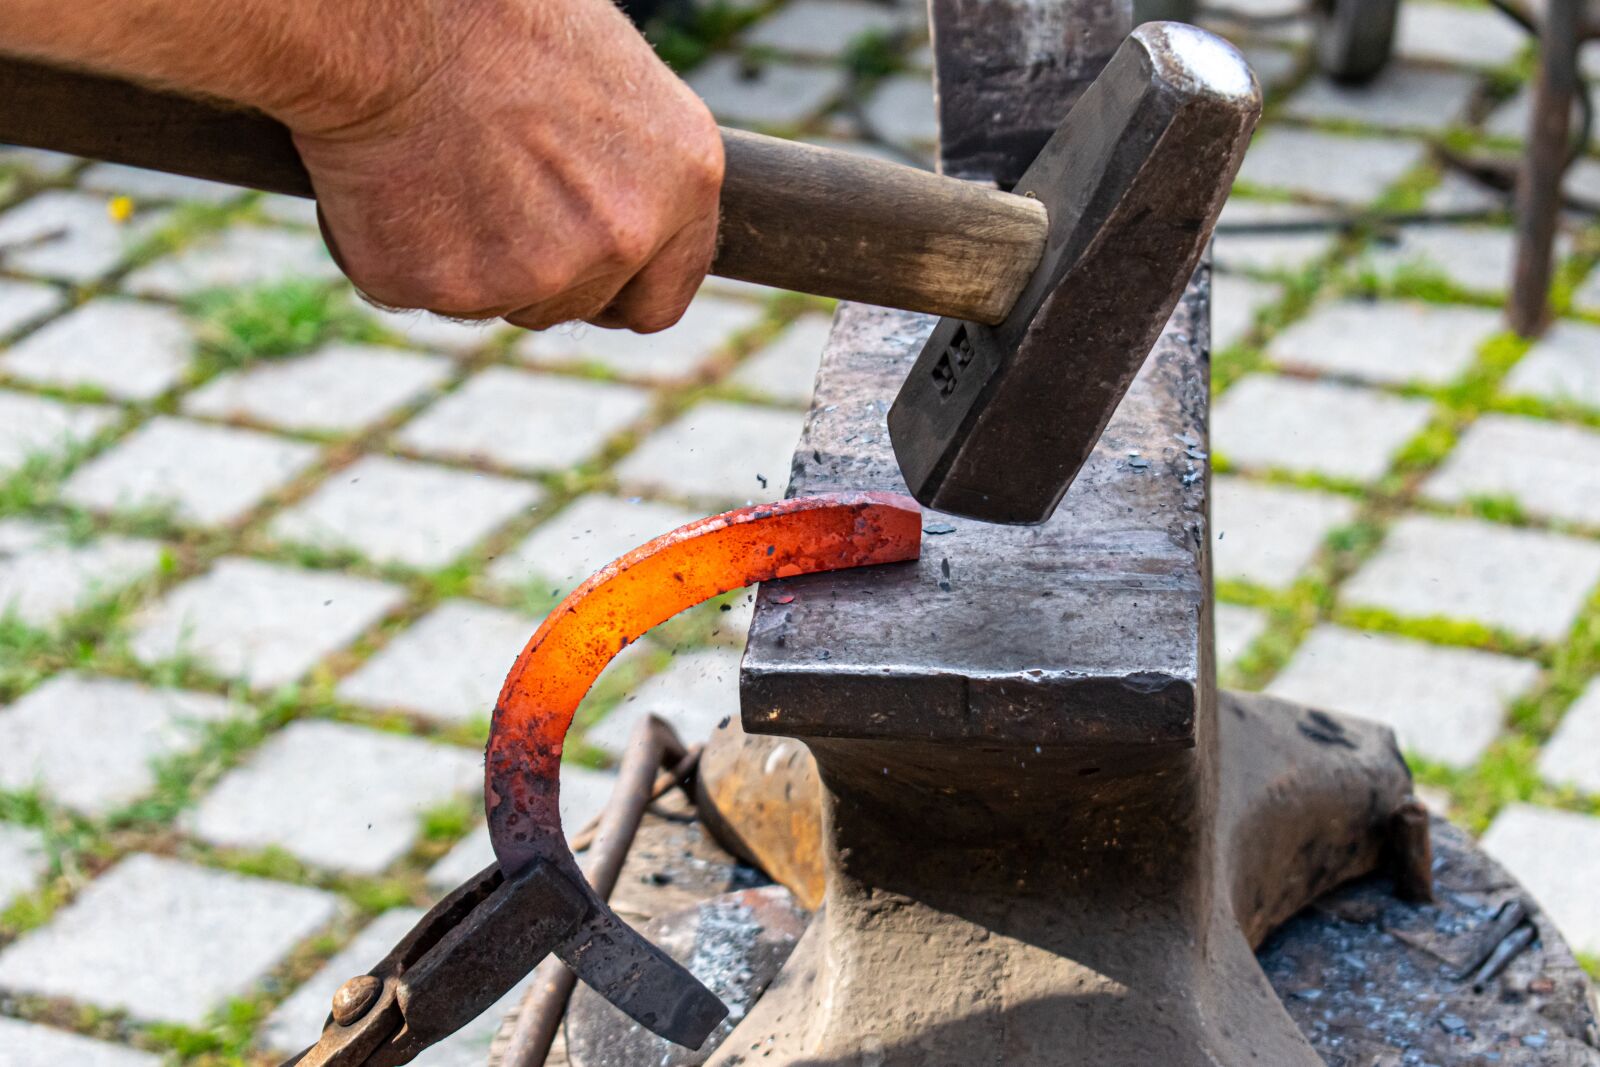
995, 421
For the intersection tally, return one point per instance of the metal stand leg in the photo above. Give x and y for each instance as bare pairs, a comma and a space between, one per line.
1539, 183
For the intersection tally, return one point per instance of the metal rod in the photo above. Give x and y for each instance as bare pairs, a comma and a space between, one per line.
678, 775
651, 745
1539, 184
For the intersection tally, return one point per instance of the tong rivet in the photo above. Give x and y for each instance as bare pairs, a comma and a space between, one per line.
354, 998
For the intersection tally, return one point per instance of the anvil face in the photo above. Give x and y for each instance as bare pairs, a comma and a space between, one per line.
994, 421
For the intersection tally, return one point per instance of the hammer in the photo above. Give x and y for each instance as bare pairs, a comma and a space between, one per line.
1051, 294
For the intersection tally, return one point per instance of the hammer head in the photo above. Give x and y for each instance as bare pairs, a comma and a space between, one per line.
994, 421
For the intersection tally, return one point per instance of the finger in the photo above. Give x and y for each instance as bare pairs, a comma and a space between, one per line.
659, 294
578, 304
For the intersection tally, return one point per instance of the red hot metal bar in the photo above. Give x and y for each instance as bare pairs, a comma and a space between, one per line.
478, 942
600, 618
647, 586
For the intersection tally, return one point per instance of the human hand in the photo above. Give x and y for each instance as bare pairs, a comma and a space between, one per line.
551, 169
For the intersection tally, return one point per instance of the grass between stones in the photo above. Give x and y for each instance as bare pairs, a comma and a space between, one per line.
1508, 773
238, 329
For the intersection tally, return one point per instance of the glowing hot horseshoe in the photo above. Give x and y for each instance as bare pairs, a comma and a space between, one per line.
647, 586
600, 618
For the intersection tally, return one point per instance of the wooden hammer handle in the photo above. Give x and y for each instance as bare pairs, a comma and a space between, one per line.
793, 215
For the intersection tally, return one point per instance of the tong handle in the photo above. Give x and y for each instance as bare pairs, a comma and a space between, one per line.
480, 959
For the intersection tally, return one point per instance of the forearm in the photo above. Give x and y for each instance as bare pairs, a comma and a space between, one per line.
315, 64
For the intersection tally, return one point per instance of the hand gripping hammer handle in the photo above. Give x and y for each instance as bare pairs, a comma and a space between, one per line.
794, 216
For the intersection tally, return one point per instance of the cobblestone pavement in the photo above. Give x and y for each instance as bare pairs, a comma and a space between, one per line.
265, 553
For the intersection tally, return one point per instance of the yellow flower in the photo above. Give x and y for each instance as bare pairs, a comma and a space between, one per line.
120, 208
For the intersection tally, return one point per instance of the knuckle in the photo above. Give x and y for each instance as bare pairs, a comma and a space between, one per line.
654, 320
627, 240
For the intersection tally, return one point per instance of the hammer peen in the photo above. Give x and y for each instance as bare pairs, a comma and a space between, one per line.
1051, 294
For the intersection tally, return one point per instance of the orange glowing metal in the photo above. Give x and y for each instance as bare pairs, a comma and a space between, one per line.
645, 587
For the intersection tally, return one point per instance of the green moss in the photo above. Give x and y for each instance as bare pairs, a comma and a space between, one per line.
380, 895
238, 326
874, 54
1508, 774
448, 821
688, 33
271, 862
32, 910
1504, 509
184, 224
1436, 630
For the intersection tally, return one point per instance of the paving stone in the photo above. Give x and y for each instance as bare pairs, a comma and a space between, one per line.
1445, 704
786, 369
589, 533
1236, 629
289, 210
164, 940
1528, 582
1582, 181
92, 743
1563, 365
337, 389
357, 801
238, 257
823, 28
1451, 33
37, 161
1554, 854
717, 451
1388, 342
1286, 252
584, 793
675, 353
1293, 30
295, 1022
768, 93
1301, 161
1268, 534
1510, 121
694, 693
1457, 192
205, 474
1552, 470
1477, 258
117, 180
23, 303
1572, 755
36, 426
1274, 67
1401, 98
260, 621
23, 862
489, 417
126, 349
449, 665
31, 1045
421, 329
1326, 427
70, 236
400, 511
1274, 20
44, 576
1235, 303
901, 110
